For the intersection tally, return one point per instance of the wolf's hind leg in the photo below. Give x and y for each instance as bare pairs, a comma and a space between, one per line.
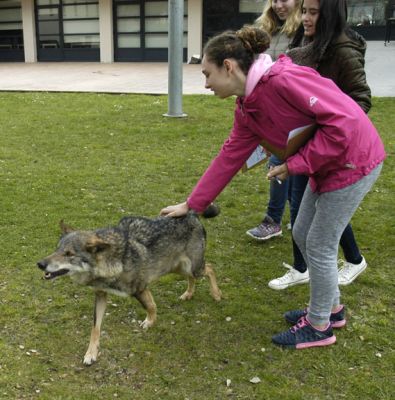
214, 289
93, 349
187, 295
147, 301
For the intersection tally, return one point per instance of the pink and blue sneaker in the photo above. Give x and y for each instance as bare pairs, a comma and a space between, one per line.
303, 335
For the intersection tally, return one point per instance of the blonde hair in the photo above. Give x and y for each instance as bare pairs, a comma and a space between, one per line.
270, 22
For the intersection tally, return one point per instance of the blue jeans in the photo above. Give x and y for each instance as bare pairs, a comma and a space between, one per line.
348, 244
278, 194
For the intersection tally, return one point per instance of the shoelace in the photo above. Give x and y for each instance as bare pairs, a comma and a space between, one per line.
345, 268
265, 227
286, 276
266, 223
300, 324
291, 272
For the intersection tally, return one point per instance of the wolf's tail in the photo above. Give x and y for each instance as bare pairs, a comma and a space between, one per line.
211, 211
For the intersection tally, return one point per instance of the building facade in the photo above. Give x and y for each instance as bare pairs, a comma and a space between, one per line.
135, 30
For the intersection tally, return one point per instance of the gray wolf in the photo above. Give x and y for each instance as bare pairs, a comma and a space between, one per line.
126, 258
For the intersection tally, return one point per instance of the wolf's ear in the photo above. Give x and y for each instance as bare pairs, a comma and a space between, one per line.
65, 228
95, 245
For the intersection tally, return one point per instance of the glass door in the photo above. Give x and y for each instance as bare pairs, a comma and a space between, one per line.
11, 31
128, 38
49, 43
141, 30
68, 30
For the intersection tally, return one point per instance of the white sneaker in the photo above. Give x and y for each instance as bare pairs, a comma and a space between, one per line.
348, 272
291, 278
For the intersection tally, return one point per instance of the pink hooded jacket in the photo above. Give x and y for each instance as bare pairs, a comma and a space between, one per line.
345, 147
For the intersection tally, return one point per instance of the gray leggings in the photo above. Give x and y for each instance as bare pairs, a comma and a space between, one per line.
318, 227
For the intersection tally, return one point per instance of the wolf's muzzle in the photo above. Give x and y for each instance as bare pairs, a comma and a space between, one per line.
42, 265
51, 275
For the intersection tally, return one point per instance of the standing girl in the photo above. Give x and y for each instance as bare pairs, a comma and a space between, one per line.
281, 19
343, 159
325, 43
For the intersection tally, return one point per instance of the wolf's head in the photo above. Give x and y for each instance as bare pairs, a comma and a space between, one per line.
81, 253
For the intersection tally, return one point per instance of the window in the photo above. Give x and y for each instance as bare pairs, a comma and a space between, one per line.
157, 24
11, 31
144, 24
366, 12
68, 23
128, 25
251, 6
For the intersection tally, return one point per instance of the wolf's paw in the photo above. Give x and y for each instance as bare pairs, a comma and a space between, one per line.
89, 358
186, 296
217, 295
146, 323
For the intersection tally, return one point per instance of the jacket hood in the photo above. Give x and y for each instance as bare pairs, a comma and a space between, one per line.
349, 39
259, 68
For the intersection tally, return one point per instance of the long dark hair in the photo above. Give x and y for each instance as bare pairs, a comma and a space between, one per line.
331, 22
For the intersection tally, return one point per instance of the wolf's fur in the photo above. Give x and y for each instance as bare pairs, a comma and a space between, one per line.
126, 258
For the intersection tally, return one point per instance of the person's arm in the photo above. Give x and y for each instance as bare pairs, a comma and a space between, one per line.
232, 156
351, 78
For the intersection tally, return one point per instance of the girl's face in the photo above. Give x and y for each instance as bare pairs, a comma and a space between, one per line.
218, 79
283, 8
310, 15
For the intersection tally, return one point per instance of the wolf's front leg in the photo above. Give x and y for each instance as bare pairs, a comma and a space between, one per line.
214, 289
147, 301
93, 349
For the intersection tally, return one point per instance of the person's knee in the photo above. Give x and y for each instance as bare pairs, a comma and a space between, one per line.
322, 253
299, 235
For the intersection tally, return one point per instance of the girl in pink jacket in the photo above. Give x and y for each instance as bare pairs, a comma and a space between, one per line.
277, 103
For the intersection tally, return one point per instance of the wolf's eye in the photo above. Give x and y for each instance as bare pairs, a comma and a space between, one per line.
68, 254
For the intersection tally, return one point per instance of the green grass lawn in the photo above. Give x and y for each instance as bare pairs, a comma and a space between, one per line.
91, 159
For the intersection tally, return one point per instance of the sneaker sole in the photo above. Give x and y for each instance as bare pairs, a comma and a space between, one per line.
319, 343
339, 324
260, 239
345, 283
301, 346
288, 285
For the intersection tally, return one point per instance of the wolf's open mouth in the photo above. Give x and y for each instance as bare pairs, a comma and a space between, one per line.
51, 275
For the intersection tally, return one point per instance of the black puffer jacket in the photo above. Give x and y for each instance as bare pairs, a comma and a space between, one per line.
343, 61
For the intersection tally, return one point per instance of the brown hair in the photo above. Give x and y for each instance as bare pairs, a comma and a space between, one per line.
242, 45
